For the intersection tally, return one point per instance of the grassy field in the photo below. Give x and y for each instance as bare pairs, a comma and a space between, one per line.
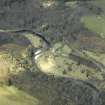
36, 41
13, 96
100, 3
97, 56
96, 23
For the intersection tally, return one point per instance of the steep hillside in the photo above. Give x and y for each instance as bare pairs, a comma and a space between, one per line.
52, 52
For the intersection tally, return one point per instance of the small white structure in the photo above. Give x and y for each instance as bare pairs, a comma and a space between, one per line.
48, 4
37, 56
38, 52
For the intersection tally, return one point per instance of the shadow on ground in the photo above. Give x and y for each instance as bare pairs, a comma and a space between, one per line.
51, 90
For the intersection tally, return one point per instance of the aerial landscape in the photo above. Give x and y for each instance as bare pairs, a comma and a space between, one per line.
52, 52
